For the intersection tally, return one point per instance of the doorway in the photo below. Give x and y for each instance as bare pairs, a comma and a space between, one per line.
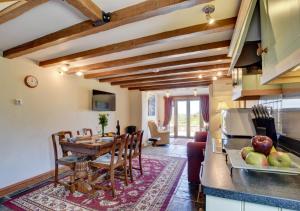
186, 119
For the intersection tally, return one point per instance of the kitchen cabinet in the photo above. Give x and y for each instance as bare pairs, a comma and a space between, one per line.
258, 207
248, 87
216, 203
280, 35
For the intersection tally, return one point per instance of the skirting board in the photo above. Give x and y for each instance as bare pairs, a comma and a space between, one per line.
28, 182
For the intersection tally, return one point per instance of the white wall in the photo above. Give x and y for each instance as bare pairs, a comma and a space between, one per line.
135, 108
160, 108
58, 103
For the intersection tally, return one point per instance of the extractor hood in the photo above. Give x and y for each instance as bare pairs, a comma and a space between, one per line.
249, 57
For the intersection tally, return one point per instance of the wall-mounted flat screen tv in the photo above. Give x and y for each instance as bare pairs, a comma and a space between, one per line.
103, 101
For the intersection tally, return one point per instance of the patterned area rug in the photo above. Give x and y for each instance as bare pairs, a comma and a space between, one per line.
151, 191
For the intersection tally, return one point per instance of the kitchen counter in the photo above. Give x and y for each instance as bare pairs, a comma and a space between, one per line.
276, 190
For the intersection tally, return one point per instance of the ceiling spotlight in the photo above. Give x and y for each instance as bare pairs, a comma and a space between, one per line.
208, 10
200, 76
60, 72
219, 73
215, 78
156, 70
195, 92
79, 73
167, 94
65, 67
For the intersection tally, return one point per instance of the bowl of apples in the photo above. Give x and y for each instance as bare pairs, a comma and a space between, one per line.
263, 156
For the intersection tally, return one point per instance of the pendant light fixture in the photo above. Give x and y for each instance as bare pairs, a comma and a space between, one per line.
195, 92
208, 10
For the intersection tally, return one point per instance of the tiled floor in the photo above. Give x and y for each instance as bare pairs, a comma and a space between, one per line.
185, 195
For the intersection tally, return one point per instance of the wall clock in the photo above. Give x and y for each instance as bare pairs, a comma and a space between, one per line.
31, 81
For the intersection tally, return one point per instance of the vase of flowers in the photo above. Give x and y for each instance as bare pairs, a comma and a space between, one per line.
103, 121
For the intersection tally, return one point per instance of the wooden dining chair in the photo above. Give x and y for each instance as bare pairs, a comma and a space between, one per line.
110, 162
65, 160
135, 150
86, 131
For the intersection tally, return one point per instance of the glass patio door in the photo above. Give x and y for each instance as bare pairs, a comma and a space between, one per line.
182, 118
186, 118
194, 115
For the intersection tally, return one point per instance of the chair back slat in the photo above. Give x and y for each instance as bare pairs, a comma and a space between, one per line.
120, 143
136, 143
86, 132
57, 137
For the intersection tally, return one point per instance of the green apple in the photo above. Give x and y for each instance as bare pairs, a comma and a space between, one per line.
279, 159
256, 159
245, 151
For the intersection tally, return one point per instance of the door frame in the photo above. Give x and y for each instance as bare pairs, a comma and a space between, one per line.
188, 99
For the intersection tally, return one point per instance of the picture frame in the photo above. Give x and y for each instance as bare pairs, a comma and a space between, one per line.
151, 106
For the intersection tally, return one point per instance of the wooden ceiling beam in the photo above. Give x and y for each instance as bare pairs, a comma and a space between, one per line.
200, 29
18, 9
88, 8
204, 48
165, 82
203, 61
131, 14
198, 69
166, 78
173, 86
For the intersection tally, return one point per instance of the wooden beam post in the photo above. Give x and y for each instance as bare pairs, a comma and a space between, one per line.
192, 70
200, 30
185, 85
88, 8
202, 60
134, 13
204, 48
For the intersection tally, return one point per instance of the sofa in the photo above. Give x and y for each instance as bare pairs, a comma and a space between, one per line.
158, 136
195, 155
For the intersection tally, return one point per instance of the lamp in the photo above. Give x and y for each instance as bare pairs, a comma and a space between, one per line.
167, 94
208, 10
65, 67
195, 92
79, 74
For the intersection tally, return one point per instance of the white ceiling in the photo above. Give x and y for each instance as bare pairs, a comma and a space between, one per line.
56, 15
113, 5
39, 21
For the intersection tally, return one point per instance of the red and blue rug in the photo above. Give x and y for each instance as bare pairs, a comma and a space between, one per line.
150, 191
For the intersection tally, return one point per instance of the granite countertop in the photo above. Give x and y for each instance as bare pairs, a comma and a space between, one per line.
269, 189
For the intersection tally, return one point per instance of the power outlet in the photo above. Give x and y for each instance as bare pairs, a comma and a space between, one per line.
18, 102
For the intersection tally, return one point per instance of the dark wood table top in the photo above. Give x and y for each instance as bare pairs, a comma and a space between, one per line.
90, 146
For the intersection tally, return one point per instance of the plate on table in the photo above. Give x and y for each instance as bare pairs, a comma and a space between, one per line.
238, 162
105, 139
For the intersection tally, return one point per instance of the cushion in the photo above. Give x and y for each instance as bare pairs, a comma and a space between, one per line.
201, 136
105, 159
71, 159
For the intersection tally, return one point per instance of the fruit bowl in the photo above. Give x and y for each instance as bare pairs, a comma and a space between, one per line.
237, 162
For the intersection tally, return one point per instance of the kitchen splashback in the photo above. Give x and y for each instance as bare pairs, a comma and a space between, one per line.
286, 111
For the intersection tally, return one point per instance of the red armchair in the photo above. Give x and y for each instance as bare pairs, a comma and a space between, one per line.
195, 155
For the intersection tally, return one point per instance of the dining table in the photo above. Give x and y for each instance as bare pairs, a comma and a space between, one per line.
88, 147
